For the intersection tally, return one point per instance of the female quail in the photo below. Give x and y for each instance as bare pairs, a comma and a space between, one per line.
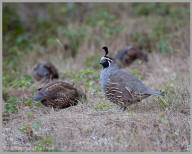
58, 94
121, 87
45, 70
127, 55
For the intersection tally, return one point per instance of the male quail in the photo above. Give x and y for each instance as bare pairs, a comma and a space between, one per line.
58, 94
128, 55
45, 70
121, 87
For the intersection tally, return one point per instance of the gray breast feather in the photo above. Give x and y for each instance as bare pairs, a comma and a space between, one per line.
105, 73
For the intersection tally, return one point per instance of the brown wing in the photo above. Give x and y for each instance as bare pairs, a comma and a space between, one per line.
61, 89
118, 92
115, 94
60, 94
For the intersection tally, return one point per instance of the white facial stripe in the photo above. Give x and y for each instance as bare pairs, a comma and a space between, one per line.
102, 58
106, 58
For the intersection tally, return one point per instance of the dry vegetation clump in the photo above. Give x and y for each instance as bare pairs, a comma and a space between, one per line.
155, 124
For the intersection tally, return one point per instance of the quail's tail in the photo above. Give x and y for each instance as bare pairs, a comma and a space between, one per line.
152, 92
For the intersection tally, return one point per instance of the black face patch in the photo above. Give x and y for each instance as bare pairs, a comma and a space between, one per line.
105, 64
105, 61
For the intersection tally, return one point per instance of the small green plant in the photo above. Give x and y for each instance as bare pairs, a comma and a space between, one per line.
8, 78
35, 127
132, 114
29, 114
164, 47
84, 74
31, 103
45, 145
32, 88
92, 86
89, 77
93, 61
101, 106
21, 83
162, 103
87, 71
172, 98
11, 105
25, 81
37, 124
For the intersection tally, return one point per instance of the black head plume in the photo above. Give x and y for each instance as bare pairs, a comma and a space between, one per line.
106, 50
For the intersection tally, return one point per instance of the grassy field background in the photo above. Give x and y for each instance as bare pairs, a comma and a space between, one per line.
71, 35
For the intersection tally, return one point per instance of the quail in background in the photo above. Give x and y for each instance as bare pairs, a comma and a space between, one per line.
58, 94
45, 71
121, 87
128, 55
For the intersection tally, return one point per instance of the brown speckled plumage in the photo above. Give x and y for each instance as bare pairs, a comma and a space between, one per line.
58, 94
45, 70
117, 91
127, 55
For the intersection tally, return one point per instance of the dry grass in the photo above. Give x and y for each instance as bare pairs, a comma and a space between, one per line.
145, 126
